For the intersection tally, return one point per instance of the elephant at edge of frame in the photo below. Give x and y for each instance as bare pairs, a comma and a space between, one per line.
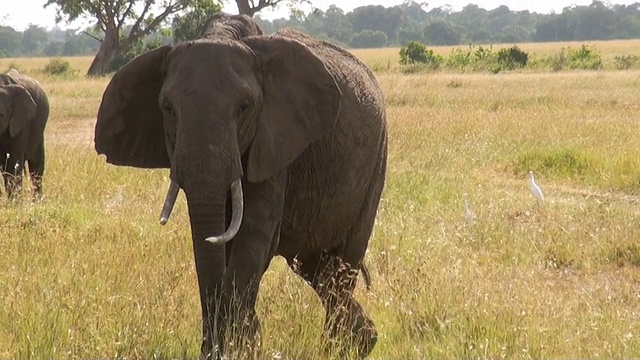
24, 111
280, 145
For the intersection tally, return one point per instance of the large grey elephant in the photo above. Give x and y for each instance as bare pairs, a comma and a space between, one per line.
280, 145
24, 110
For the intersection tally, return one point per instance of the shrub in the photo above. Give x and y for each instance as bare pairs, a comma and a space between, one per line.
512, 58
558, 61
476, 58
459, 58
586, 58
625, 62
417, 53
57, 66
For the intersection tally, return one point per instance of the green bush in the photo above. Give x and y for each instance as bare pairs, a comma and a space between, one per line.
585, 58
459, 58
512, 58
57, 66
474, 58
417, 53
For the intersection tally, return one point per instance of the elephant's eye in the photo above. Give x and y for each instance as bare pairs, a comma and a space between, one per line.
243, 107
166, 106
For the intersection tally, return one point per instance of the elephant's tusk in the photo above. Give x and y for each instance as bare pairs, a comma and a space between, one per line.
237, 206
169, 201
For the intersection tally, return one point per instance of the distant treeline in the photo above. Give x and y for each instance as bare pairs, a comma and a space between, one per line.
377, 26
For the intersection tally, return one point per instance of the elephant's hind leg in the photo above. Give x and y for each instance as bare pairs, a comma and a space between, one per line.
36, 171
333, 278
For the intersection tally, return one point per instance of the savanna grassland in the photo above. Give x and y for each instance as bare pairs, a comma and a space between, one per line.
89, 272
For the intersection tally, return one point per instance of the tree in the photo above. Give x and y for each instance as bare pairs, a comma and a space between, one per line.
9, 42
441, 32
34, 40
369, 39
337, 24
377, 18
112, 16
189, 26
250, 8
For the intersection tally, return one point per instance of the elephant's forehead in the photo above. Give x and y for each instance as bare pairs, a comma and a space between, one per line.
209, 55
193, 68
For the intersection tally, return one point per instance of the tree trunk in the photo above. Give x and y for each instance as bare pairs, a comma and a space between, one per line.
244, 8
109, 49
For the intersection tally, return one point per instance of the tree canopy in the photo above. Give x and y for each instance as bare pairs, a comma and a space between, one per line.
365, 26
141, 17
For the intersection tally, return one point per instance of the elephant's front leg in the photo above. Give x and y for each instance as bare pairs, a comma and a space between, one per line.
13, 175
250, 254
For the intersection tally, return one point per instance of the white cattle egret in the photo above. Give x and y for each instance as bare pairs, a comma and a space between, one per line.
468, 215
535, 189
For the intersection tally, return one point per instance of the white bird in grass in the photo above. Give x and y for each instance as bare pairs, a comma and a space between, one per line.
468, 215
535, 189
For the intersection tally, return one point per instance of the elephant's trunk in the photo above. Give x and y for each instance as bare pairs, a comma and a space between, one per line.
207, 218
237, 207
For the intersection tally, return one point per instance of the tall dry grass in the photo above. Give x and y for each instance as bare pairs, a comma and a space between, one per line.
89, 273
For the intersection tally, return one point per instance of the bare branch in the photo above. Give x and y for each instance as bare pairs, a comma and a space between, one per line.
137, 32
98, 12
263, 4
125, 14
92, 36
136, 26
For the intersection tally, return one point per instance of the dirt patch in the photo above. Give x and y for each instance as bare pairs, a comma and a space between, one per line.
71, 132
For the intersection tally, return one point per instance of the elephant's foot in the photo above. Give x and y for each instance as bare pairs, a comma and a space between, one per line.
348, 332
238, 339
36, 182
13, 186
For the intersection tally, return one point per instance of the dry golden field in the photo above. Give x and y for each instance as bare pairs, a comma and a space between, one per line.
89, 273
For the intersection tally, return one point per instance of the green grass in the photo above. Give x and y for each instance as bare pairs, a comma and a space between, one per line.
89, 272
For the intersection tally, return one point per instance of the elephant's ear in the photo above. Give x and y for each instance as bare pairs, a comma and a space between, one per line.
129, 129
23, 109
301, 103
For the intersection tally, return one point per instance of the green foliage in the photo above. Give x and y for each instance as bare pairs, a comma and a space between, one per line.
190, 25
369, 39
417, 53
139, 48
474, 58
400, 24
57, 66
513, 57
585, 58
441, 32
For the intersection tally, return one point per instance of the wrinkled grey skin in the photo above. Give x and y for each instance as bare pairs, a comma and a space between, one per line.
24, 110
302, 123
